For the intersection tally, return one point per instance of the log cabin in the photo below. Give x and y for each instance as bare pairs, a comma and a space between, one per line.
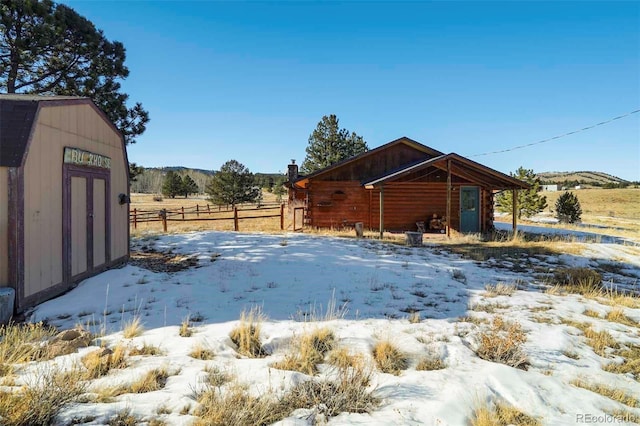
400, 186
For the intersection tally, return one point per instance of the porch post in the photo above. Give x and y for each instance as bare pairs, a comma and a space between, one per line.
449, 198
514, 213
381, 211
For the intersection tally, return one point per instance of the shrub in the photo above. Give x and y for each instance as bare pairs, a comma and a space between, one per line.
389, 359
568, 208
502, 343
38, 402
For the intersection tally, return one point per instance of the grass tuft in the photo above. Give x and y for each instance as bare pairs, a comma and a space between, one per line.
246, 335
99, 363
617, 315
200, 351
185, 329
389, 358
133, 328
630, 363
500, 414
309, 351
145, 349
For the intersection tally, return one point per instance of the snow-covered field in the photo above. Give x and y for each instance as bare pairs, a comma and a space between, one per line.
376, 285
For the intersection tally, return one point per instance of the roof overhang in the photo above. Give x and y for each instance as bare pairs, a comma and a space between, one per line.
460, 166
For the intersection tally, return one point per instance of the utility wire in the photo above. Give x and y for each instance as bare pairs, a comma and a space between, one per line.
558, 136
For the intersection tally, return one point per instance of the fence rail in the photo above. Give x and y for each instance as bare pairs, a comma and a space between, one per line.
203, 213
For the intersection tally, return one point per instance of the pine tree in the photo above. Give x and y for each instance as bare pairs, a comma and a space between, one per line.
529, 202
568, 208
172, 184
189, 186
233, 184
328, 144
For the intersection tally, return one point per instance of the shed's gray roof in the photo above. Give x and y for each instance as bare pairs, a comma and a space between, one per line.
17, 114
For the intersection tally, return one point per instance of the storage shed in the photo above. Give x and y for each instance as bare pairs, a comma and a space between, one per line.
64, 192
398, 186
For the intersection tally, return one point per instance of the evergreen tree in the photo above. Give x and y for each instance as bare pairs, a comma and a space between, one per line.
49, 48
189, 186
568, 208
172, 184
529, 202
233, 184
329, 144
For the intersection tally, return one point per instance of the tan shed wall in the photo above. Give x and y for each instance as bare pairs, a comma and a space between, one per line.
78, 126
4, 226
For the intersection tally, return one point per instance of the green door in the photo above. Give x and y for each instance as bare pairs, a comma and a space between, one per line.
469, 209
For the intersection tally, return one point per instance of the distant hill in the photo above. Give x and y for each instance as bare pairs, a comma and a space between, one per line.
587, 178
150, 181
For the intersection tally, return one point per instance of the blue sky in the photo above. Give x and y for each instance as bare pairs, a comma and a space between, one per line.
250, 80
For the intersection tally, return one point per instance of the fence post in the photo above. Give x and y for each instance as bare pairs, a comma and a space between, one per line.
163, 215
282, 217
135, 218
235, 219
182, 208
197, 211
208, 210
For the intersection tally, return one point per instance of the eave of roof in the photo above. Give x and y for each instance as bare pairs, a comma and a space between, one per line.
503, 181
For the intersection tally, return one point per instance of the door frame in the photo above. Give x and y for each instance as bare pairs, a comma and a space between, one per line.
478, 204
89, 173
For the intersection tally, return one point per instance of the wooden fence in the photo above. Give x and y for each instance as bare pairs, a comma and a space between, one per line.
204, 213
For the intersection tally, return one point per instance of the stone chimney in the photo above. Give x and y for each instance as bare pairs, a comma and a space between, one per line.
293, 172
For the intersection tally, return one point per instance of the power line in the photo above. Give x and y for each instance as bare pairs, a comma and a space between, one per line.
558, 136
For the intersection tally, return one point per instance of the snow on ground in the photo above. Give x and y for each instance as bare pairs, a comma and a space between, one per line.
377, 285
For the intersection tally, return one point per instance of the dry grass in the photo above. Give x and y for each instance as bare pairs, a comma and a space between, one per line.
430, 361
132, 328
216, 377
342, 358
579, 280
235, 406
22, 343
185, 329
502, 342
98, 363
500, 414
590, 313
37, 403
389, 358
123, 418
309, 351
600, 341
609, 392
630, 363
146, 349
414, 317
597, 202
346, 392
246, 335
201, 352
617, 315
152, 381
499, 289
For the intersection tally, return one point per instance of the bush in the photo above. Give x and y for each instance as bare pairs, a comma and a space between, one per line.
502, 343
568, 208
